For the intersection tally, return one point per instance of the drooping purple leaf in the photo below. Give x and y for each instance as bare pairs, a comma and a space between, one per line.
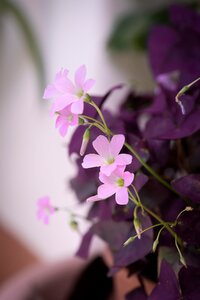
102, 209
169, 50
137, 294
167, 287
183, 16
83, 250
85, 182
112, 232
164, 127
135, 250
188, 227
188, 186
189, 281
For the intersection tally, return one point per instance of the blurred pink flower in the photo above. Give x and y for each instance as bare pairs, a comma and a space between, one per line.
108, 157
65, 92
116, 183
45, 209
65, 119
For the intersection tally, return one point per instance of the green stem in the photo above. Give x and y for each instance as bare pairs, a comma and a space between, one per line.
91, 119
149, 169
155, 216
96, 125
132, 238
100, 114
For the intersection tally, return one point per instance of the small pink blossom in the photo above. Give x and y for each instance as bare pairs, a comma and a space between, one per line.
64, 92
108, 157
65, 119
45, 209
116, 183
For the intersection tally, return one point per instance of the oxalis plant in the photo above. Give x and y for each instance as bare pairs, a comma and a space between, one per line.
140, 168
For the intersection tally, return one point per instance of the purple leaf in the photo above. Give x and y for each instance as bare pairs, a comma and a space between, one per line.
188, 186
188, 227
169, 50
83, 250
167, 287
189, 282
137, 294
137, 249
112, 232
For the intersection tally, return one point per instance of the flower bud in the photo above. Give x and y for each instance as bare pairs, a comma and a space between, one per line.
74, 224
85, 140
138, 227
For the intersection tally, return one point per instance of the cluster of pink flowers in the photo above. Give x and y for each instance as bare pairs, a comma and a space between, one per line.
68, 104
68, 97
112, 168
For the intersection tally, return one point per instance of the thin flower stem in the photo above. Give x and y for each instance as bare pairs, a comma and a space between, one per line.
72, 213
132, 238
149, 169
100, 114
91, 119
182, 260
155, 243
96, 125
138, 197
155, 216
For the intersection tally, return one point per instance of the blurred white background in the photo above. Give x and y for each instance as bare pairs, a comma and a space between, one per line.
34, 159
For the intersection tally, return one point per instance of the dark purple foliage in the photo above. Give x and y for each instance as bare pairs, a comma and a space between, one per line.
189, 279
168, 141
167, 287
188, 227
176, 47
188, 186
137, 294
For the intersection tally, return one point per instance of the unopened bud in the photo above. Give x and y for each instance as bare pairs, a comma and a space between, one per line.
188, 208
155, 244
138, 227
130, 240
85, 140
80, 121
74, 224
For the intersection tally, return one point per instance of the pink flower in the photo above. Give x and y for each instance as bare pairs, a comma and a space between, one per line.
45, 209
65, 119
116, 183
65, 92
108, 157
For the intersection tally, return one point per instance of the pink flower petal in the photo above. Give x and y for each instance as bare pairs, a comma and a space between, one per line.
116, 144
80, 76
102, 146
63, 129
50, 92
108, 169
77, 107
43, 201
61, 102
61, 73
46, 220
91, 161
123, 159
64, 85
88, 85
128, 178
121, 196
106, 190
93, 199
40, 214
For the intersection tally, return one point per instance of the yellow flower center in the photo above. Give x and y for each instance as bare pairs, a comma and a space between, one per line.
120, 182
